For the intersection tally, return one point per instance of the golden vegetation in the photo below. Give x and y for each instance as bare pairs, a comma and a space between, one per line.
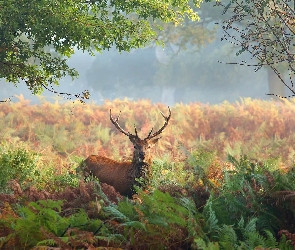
259, 129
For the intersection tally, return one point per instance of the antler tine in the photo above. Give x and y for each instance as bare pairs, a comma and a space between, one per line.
167, 118
135, 131
150, 132
115, 122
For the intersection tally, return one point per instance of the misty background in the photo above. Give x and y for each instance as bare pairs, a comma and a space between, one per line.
169, 74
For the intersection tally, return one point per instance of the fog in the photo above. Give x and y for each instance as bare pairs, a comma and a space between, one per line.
168, 75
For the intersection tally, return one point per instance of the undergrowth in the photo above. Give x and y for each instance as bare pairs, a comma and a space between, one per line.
18, 163
199, 203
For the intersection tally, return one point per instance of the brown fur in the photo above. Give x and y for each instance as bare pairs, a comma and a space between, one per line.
123, 175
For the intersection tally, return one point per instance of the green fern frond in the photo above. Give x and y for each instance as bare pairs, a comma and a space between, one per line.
233, 160
134, 224
255, 240
270, 241
99, 191
194, 218
47, 242
188, 204
241, 223
112, 238
227, 237
285, 244
158, 221
161, 204
127, 208
201, 244
115, 214
79, 218
211, 221
250, 226
247, 236
268, 220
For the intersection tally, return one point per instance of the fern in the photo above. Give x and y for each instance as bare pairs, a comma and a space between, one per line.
245, 192
126, 222
119, 238
40, 214
227, 237
211, 220
200, 161
115, 214
127, 208
40, 223
156, 216
163, 209
81, 220
285, 244
270, 241
47, 242
134, 224
255, 240
202, 245
163, 173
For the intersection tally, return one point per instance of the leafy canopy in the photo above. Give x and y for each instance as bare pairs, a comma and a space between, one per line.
38, 36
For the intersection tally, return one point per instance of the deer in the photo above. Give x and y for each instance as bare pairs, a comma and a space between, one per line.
123, 176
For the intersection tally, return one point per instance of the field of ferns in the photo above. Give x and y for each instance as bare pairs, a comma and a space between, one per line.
223, 176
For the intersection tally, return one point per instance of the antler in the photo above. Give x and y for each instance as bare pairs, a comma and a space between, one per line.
115, 122
167, 118
150, 135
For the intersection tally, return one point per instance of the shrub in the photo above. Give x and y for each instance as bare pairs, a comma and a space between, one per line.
18, 164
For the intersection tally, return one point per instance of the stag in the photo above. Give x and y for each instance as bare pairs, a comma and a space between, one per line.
124, 175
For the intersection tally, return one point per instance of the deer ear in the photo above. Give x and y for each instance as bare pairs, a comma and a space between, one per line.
154, 141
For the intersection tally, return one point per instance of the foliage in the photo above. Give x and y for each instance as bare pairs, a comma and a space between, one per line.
39, 220
197, 200
265, 29
250, 189
164, 173
253, 217
157, 221
253, 213
18, 164
38, 37
260, 129
25, 167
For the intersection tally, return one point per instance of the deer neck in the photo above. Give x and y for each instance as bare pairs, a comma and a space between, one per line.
139, 169
137, 162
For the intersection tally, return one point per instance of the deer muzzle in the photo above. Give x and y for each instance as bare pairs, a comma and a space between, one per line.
141, 156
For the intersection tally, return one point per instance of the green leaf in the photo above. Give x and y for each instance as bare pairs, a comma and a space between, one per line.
134, 224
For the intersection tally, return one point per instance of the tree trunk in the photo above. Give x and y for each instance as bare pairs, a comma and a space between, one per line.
275, 85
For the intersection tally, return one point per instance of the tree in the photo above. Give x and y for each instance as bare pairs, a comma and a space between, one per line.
185, 70
186, 35
37, 37
265, 29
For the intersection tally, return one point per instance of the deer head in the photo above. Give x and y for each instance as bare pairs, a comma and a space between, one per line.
141, 146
